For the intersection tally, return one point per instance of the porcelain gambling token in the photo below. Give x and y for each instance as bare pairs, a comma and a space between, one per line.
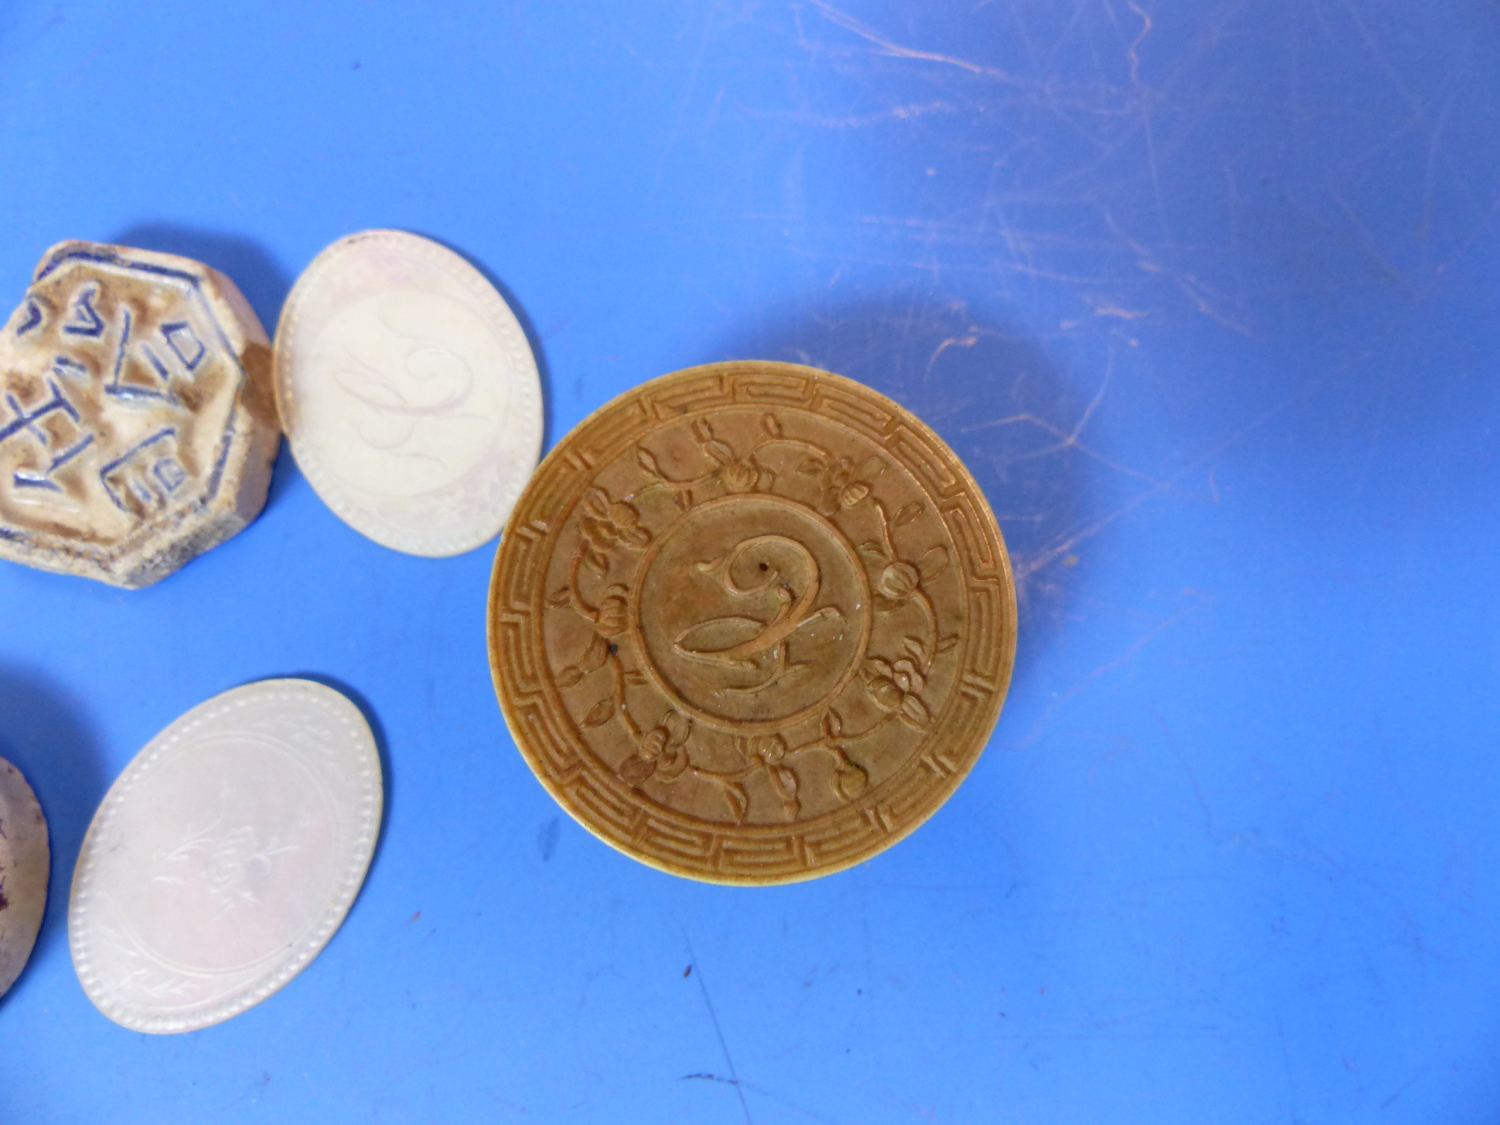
137, 423
751, 622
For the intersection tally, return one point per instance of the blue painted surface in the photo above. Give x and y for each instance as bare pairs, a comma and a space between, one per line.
1205, 294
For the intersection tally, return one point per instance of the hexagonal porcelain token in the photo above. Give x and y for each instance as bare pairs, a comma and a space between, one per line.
225, 856
24, 865
137, 425
408, 392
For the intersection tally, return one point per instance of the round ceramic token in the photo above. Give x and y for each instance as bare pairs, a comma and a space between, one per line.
225, 856
408, 392
24, 866
752, 622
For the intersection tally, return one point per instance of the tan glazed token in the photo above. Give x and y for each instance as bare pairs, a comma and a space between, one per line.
751, 623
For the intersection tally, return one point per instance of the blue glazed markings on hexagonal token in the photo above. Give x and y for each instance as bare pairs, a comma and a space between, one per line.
149, 473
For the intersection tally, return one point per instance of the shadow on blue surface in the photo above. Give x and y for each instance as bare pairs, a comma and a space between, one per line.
283, 473
46, 734
989, 392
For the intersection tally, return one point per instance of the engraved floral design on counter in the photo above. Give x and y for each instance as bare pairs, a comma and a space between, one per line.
228, 858
772, 586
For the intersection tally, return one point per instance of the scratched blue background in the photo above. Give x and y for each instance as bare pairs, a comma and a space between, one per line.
1206, 293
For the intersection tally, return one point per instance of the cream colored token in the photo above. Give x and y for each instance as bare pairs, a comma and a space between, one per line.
224, 857
24, 865
409, 393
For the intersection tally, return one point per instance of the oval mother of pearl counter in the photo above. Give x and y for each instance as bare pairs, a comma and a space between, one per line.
225, 856
24, 866
408, 392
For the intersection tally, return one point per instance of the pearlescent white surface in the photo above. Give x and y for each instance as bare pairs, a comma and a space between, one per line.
24, 864
408, 391
225, 856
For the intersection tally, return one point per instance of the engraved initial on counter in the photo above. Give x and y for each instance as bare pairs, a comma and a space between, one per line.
791, 613
410, 380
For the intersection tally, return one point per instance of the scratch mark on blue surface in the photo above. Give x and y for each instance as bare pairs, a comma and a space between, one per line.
713, 1015
1401, 1089
1141, 98
1424, 224
1368, 243
862, 120
1191, 286
1192, 775
1286, 1063
687, 99
1134, 54
896, 51
1064, 544
709, 1076
1066, 439
57, 19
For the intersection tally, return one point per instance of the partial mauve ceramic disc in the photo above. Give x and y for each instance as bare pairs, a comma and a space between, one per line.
24, 865
409, 393
225, 856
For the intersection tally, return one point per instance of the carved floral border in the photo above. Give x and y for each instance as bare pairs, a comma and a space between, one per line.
895, 683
